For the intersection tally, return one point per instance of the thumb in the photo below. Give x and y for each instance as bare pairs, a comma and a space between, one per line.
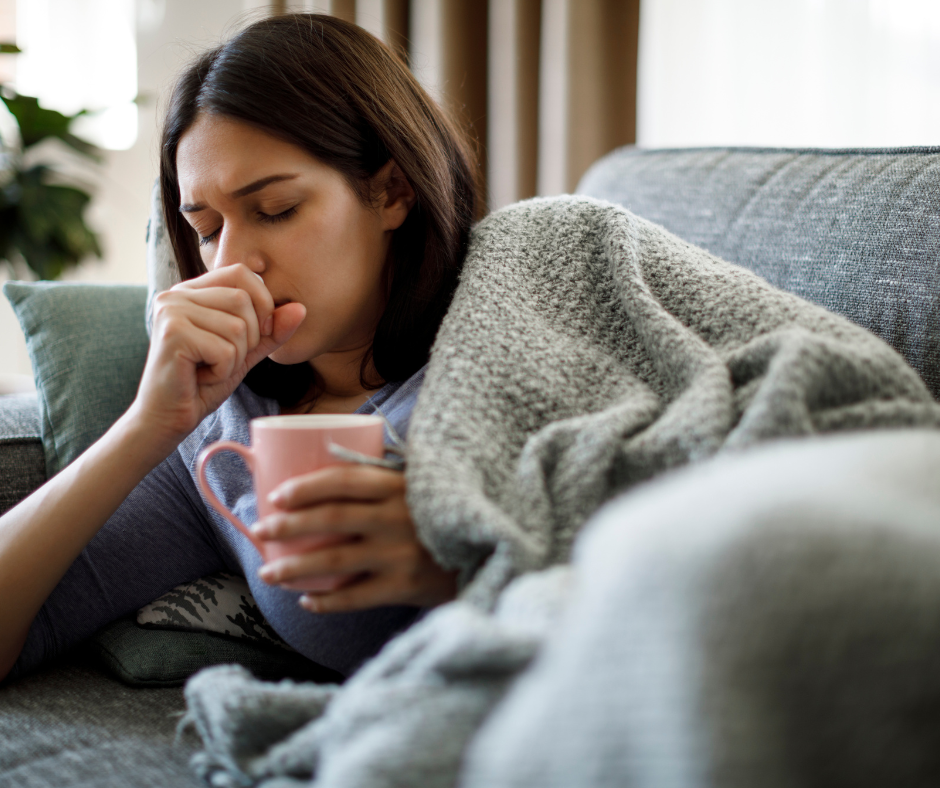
287, 320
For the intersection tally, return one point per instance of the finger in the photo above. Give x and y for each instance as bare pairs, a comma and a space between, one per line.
241, 277
285, 320
371, 591
219, 357
228, 328
223, 300
367, 592
324, 583
386, 520
338, 483
224, 311
344, 559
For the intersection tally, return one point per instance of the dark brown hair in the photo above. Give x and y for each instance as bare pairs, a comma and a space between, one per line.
337, 92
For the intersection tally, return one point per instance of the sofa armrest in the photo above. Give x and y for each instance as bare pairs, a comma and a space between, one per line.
22, 461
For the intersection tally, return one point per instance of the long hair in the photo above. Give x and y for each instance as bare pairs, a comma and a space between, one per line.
337, 92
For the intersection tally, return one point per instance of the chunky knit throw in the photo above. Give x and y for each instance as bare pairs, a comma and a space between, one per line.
586, 350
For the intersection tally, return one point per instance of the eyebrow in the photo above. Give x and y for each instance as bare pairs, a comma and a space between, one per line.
244, 191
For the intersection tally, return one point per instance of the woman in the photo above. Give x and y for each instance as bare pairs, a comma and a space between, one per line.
319, 205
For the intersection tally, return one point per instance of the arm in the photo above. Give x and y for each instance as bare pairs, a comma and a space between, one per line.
208, 333
40, 537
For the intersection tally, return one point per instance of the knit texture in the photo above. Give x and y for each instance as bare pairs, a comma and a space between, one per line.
854, 231
586, 350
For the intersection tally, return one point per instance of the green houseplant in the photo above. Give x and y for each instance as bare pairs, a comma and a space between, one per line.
41, 217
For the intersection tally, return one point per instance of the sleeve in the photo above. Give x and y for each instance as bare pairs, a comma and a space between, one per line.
158, 538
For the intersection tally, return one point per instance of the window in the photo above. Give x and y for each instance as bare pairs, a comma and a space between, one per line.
82, 54
826, 73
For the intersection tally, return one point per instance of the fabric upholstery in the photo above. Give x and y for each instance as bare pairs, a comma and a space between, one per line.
855, 231
71, 725
87, 344
22, 462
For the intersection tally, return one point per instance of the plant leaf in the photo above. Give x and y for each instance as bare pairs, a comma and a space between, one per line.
45, 223
38, 123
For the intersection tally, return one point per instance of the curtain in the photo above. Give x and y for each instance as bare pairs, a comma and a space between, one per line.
544, 87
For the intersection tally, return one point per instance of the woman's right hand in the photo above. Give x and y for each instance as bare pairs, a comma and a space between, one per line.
208, 332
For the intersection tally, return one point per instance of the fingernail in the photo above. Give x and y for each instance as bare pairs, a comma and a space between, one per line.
310, 603
276, 497
267, 573
261, 529
268, 326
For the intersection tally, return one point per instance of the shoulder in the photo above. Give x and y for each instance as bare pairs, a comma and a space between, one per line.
550, 226
565, 209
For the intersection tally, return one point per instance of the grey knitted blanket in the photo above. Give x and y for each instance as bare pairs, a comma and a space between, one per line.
586, 350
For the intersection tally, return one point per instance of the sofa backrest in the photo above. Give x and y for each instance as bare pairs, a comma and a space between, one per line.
857, 231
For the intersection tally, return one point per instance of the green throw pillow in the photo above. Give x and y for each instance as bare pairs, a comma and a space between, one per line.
87, 344
166, 658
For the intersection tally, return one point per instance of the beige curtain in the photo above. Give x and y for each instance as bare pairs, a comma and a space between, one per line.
545, 87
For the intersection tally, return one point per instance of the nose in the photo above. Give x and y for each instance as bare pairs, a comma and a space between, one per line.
237, 245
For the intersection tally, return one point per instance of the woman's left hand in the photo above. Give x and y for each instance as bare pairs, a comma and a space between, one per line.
367, 506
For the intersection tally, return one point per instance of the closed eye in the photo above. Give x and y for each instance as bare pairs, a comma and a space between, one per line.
268, 218
208, 239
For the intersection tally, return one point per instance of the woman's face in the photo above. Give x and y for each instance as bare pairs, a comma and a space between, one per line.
267, 204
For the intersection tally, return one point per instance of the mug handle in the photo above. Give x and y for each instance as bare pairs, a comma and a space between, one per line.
246, 454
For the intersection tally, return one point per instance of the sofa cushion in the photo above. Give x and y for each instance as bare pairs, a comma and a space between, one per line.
73, 725
87, 344
856, 231
22, 462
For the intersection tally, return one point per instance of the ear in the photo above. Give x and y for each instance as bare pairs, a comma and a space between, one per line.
394, 195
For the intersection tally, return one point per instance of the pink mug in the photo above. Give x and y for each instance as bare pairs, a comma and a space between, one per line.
283, 447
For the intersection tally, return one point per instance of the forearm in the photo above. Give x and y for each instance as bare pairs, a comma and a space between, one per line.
42, 536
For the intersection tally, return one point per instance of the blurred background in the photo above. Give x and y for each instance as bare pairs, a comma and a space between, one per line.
544, 86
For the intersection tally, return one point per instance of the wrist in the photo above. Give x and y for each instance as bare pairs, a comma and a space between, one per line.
145, 434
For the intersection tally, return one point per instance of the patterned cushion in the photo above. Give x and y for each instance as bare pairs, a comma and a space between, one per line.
853, 230
219, 603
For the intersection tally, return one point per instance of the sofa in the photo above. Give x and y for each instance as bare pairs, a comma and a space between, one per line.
852, 230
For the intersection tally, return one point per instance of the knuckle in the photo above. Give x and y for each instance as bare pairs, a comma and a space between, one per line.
163, 306
345, 476
407, 554
333, 514
242, 299
239, 329
278, 526
170, 329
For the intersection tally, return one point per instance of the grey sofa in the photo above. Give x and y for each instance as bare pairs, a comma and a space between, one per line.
855, 231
